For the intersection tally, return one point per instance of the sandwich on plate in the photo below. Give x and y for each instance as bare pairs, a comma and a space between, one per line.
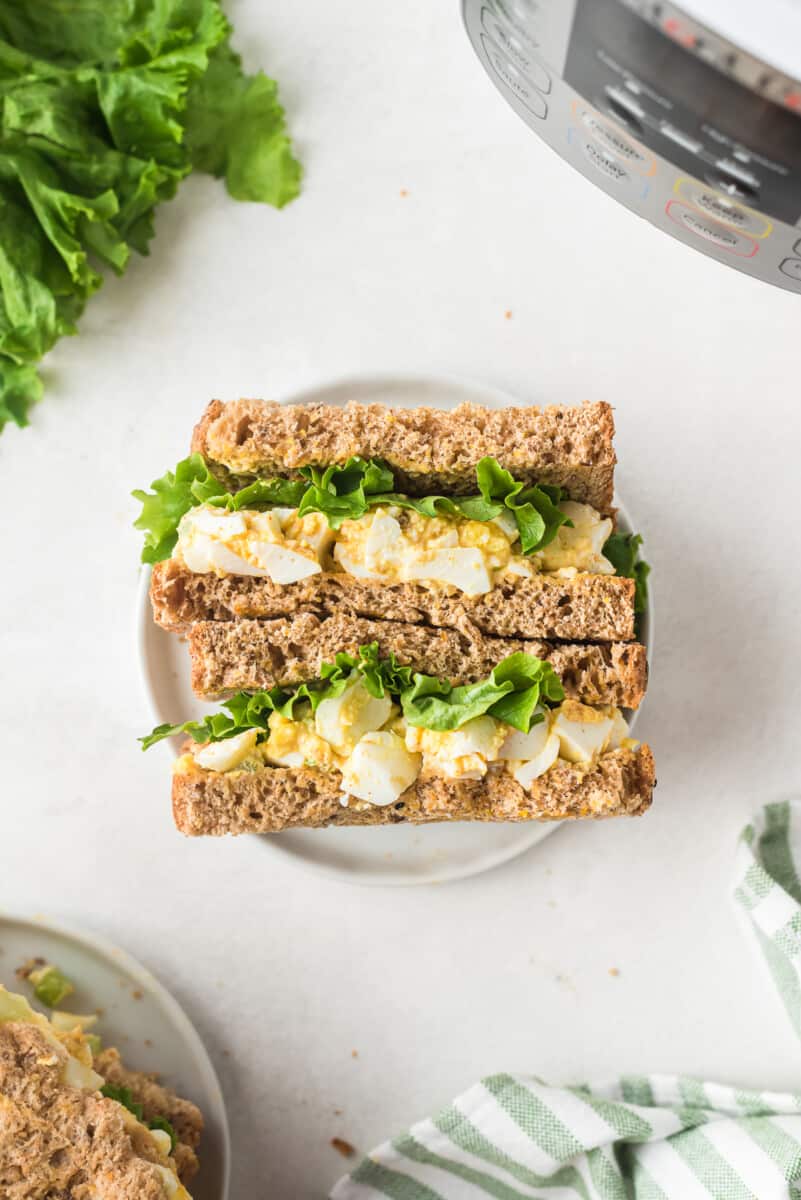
371, 741
411, 615
498, 520
75, 1122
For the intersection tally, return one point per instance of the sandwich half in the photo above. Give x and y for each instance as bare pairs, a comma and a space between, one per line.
72, 1124
371, 741
501, 520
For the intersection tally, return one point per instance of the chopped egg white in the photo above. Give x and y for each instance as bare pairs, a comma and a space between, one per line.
453, 551
227, 754
459, 753
379, 755
276, 545
583, 731
343, 720
579, 548
522, 746
380, 769
389, 543
620, 731
162, 1140
526, 772
67, 1022
173, 1188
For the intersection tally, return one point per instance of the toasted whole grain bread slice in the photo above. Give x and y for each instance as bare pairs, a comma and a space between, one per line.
208, 803
57, 1140
233, 656
586, 608
431, 450
158, 1101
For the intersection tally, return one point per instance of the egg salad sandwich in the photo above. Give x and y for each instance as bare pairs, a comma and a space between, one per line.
371, 741
75, 1123
500, 520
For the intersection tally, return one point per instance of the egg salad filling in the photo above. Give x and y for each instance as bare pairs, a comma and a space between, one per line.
379, 747
348, 518
388, 544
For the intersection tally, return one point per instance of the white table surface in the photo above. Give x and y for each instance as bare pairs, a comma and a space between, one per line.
286, 973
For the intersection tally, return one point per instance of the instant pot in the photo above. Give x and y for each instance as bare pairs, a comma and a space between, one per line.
689, 116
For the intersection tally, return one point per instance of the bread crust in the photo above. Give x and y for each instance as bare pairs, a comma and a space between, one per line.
431, 450
233, 656
277, 798
586, 608
61, 1141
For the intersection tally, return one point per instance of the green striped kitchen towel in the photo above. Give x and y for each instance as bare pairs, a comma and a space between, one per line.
653, 1137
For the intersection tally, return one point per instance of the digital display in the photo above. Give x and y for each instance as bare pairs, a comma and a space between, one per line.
685, 109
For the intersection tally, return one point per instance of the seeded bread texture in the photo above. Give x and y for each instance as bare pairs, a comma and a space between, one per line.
232, 656
586, 608
430, 449
158, 1101
276, 798
58, 1141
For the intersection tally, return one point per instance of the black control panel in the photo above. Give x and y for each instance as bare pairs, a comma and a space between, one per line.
670, 99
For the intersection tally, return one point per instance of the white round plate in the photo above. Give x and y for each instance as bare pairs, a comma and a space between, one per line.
140, 1018
393, 855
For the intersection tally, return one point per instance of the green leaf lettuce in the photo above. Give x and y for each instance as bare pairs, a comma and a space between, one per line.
105, 109
511, 693
125, 1097
192, 484
623, 552
344, 492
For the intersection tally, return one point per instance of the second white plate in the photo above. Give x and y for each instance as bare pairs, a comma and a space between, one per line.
140, 1018
390, 855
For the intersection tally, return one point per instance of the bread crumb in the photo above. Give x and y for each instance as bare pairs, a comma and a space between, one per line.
337, 1112
404, 193
508, 314
148, 1042
24, 971
614, 971
344, 1148
137, 994
354, 1053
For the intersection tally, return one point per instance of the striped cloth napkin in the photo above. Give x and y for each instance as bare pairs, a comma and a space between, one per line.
656, 1137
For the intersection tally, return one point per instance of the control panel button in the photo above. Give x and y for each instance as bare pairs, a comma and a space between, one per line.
721, 206
611, 138
625, 108
615, 140
605, 162
792, 268
734, 179
523, 10
702, 226
624, 101
681, 138
526, 26
515, 81
508, 41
